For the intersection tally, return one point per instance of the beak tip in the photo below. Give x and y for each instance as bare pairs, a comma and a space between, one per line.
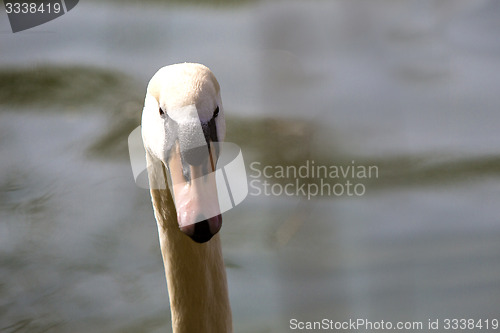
203, 231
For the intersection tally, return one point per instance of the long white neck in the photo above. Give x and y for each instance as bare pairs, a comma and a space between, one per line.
196, 276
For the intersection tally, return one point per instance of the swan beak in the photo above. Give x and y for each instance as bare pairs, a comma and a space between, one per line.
195, 193
203, 231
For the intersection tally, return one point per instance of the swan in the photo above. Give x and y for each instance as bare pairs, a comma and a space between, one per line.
183, 107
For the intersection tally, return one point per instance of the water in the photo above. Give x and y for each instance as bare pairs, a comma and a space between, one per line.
406, 86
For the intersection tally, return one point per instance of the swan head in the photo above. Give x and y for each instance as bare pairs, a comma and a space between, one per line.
182, 119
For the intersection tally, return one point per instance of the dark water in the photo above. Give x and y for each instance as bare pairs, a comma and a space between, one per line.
408, 87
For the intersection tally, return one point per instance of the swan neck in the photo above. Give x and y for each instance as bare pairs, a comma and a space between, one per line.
196, 276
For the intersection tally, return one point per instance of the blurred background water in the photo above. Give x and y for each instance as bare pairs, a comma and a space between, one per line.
408, 86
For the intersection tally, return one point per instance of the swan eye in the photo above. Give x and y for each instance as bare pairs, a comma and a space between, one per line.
162, 113
216, 112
